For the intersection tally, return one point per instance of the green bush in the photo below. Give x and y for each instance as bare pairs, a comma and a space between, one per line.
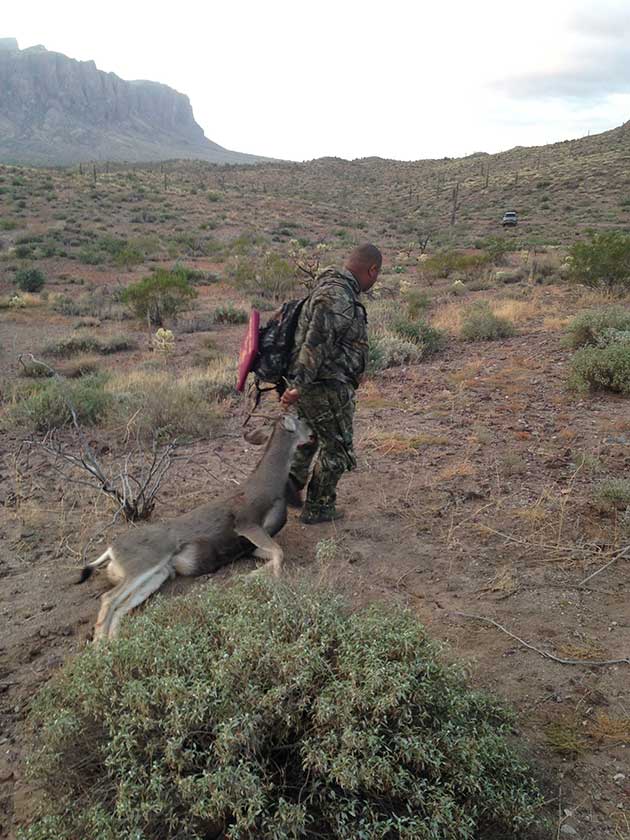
386, 350
30, 280
23, 251
268, 712
160, 296
128, 257
445, 262
417, 303
589, 327
79, 343
604, 261
612, 493
270, 276
42, 405
496, 248
431, 339
229, 315
601, 368
480, 323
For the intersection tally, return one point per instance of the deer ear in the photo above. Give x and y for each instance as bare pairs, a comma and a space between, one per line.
288, 421
257, 436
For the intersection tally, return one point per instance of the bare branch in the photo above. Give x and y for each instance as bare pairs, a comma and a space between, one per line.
544, 653
133, 506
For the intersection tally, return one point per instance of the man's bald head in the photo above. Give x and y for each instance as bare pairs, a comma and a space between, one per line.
365, 263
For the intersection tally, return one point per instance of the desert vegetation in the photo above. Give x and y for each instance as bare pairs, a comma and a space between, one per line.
490, 500
318, 723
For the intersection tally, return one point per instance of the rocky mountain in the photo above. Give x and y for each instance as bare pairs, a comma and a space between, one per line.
56, 110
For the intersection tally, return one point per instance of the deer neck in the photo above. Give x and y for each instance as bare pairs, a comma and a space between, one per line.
274, 466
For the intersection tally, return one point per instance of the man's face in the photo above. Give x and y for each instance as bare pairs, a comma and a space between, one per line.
372, 276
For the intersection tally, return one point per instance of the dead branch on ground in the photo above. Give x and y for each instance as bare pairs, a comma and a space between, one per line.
545, 654
135, 493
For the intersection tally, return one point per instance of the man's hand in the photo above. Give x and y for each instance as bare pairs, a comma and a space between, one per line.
290, 397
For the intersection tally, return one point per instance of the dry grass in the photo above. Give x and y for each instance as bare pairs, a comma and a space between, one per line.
588, 649
397, 444
371, 397
461, 469
607, 729
449, 317
516, 311
565, 736
155, 401
556, 323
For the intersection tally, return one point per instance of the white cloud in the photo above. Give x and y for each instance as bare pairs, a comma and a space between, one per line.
354, 79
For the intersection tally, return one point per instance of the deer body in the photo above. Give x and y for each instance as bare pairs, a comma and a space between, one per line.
205, 539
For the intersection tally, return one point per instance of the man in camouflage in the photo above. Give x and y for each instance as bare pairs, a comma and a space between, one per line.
328, 362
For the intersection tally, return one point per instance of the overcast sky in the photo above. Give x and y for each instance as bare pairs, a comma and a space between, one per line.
396, 79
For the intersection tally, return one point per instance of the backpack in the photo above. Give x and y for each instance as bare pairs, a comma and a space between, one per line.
272, 348
275, 345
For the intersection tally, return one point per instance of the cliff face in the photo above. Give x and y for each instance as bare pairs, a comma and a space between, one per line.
55, 110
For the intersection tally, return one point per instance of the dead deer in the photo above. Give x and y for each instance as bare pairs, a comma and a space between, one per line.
205, 539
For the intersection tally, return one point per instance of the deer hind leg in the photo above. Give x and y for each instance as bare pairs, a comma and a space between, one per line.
138, 596
266, 548
128, 594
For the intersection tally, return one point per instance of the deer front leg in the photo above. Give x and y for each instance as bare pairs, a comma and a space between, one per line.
266, 547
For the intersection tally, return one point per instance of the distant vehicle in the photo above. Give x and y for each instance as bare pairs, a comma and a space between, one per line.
510, 219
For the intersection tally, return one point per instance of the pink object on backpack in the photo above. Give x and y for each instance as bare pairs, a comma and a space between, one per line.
249, 349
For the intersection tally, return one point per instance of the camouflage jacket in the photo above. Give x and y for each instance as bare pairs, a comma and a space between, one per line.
331, 336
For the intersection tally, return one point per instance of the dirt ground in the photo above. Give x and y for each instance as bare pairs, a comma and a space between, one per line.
472, 502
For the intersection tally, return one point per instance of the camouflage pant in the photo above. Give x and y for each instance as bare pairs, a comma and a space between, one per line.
328, 410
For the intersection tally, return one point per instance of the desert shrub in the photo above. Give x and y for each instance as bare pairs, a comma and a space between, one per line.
382, 314
417, 303
445, 262
479, 323
200, 323
270, 276
196, 277
509, 275
263, 711
116, 344
71, 345
160, 296
87, 324
128, 257
604, 261
588, 327
230, 315
219, 380
8, 224
480, 284
386, 350
601, 368
168, 407
23, 251
30, 280
612, 493
495, 247
79, 366
102, 303
32, 369
430, 338
43, 405
263, 304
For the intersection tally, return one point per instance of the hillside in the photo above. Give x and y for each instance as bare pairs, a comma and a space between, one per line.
491, 495
559, 190
55, 110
